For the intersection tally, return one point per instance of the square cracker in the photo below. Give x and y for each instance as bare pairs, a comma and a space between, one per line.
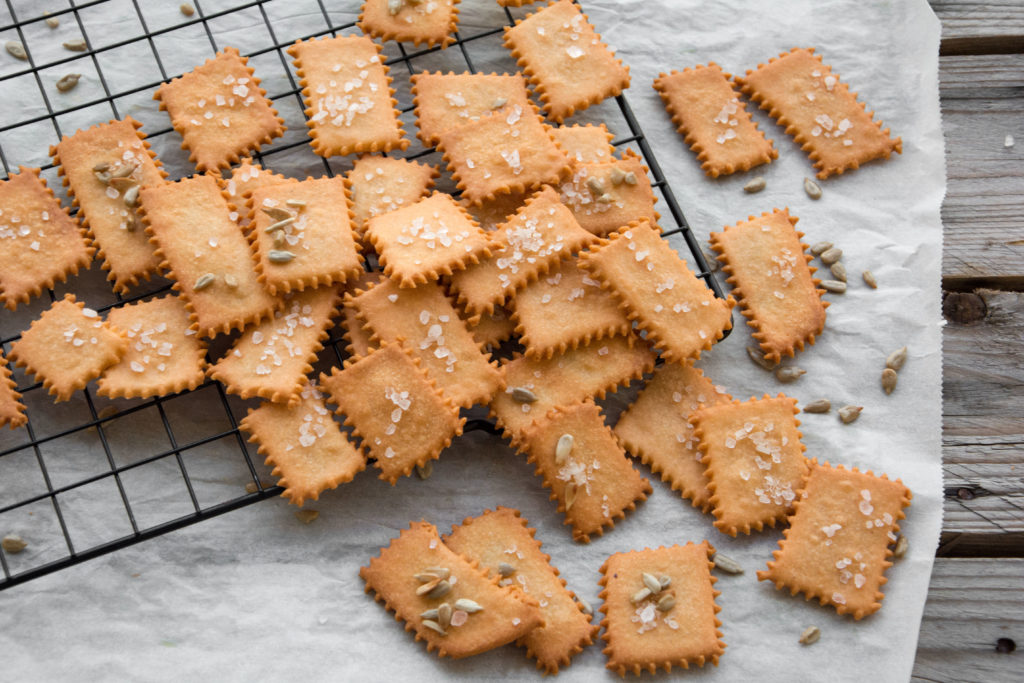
245, 178
164, 356
395, 408
446, 101
803, 95
307, 450
716, 125
12, 410
349, 99
501, 540
67, 346
678, 311
565, 60
772, 278
506, 615
836, 548
40, 243
754, 461
640, 636
189, 221
585, 144
606, 196
656, 428
220, 110
595, 483
378, 184
432, 22
508, 151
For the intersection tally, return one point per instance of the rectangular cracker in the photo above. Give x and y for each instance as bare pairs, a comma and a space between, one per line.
606, 196
244, 179
377, 185
715, 123
395, 408
587, 144
349, 100
164, 356
12, 410
656, 428
503, 544
40, 244
189, 221
307, 450
358, 339
802, 94
754, 461
642, 637
594, 483
493, 328
565, 60
320, 239
432, 23
445, 101
272, 359
113, 227
505, 615
773, 281
679, 312
425, 321
836, 548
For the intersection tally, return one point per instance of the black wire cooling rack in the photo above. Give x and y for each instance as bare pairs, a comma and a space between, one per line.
101, 423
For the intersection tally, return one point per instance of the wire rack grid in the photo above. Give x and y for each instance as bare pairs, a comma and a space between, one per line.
114, 428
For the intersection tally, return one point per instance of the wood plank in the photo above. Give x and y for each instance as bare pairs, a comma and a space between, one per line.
972, 27
971, 605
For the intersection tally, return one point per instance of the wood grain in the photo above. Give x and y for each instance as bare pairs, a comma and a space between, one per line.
991, 27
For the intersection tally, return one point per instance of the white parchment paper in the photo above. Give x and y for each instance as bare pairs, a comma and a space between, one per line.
256, 594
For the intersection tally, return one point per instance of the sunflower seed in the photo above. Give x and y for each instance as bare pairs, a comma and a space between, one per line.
306, 516
640, 595
76, 45
630, 178
280, 225
123, 171
848, 414
278, 238
230, 280
838, 271
429, 586
713, 264
666, 602
425, 470
755, 185
896, 359
440, 572
570, 496
820, 248
104, 175
100, 167
902, 545
187, 9
652, 582
427, 577
810, 635
279, 256
760, 360
727, 564
505, 569
429, 614
131, 196
617, 175
789, 373
665, 581
584, 605
889, 379
434, 626
68, 82
52, 22
16, 49
822, 405
834, 286
122, 184
812, 189
499, 103
296, 203
276, 214
442, 589
251, 487
467, 605
564, 448
831, 255
204, 281
869, 278
523, 395
13, 544
605, 199
444, 615
595, 186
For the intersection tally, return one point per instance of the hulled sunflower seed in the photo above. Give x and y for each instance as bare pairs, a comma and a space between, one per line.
13, 544
131, 196
296, 203
617, 175
499, 103
834, 286
505, 569
122, 184
434, 626
279, 256
665, 581
821, 405
902, 545
812, 189
204, 281
444, 615
429, 614
123, 171
425, 470
713, 264
831, 255
640, 595
727, 564
564, 448
630, 178
810, 635
584, 605
187, 9
896, 359
467, 605
759, 360
570, 496
789, 373
429, 586
869, 278
848, 414
889, 379
605, 199
427, 577
68, 82
251, 487
278, 238
440, 572
755, 185
280, 225
652, 582
838, 271
666, 602
820, 248
102, 176
276, 214
52, 22
16, 49
76, 45
523, 395
442, 589
230, 280
306, 516
595, 186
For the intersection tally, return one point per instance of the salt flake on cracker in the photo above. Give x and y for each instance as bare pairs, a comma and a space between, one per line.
12, 410
445, 101
606, 196
410, 21
378, 184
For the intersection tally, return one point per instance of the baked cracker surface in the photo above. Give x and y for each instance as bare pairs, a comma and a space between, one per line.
606, 196
432, 23
445, 101
378, 184
585, 144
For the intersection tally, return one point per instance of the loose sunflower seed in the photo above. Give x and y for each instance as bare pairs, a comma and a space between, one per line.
279, 256
810, 635
52, 22
523, 395
251, 487
889, 379
640, 595
13, 544
131, 196
652, 582
306, 516
902, 545
434, 626
16, 49
822, 405
759, 360
76, 45
584, 605
444, 615
204, 281
617, 175
869, 278
505, 569
834, 286
838, 271
467, 605
812, 189
187, 9
755, 185
595, 186
831, 255
276, 214
820, 248
630, 178
727, 564
666, 602
713, 264
68, 82
789, 373
280, 225
564, 448
425, 470
896, 359
296, 203
848, 414
230, 280
570, 496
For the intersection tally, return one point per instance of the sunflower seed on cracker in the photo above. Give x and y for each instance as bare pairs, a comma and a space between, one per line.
523, 395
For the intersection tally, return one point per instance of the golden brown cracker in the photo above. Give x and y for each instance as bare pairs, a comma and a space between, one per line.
565, 60
503, 543
357, 338
587, 144
12, 410
515, 3
606, 196
40, 244
493, 212
643, 637
220, 111
771, 276
307, 450
67, 346
493, 328
245, 178
713, 121
656, 428
505, 614
836, 548
754, 460
592, 479
391, 403
348, 95
164, 356
445, 101
802, 94
432, 23
378, 184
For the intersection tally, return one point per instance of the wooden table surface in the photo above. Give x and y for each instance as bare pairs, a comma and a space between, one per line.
974, 618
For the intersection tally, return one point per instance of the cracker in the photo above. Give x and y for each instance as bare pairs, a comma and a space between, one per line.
425, 322
271, 359
67, 346
836, 548
676, 309
247, 177
540, 234
708, 113
493, 328
397, 410
585, 144
220, 111
506, 613
377, 185
503, 537
493, 212
595, 483
189, 221
307, 450
348, 95
358, 339
603, 199
802, 94
589, 370
432, 23
754, 461
641, 637
508, 151
565, 60
656, 428
112, 226
164, 356
445, 101
320, 240
12, 410
433, 237
771, 277
40, 244
515, 3
584, 311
